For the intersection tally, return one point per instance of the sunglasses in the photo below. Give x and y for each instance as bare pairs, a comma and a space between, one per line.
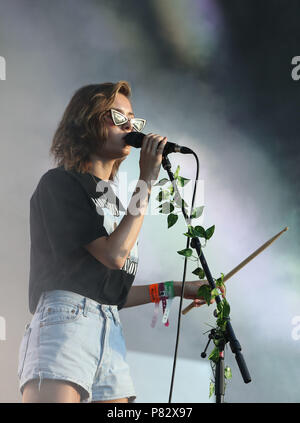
119, 119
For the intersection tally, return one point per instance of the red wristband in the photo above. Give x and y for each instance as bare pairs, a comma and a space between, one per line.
154, 293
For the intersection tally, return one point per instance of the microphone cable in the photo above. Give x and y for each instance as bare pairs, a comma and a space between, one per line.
183, 281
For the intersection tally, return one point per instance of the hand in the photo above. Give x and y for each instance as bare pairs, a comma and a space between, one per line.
151, 157
191, 290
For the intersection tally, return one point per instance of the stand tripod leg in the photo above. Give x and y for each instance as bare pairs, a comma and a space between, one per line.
219, 379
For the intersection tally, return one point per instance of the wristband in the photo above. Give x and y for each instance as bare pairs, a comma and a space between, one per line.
169, 289
163, 291
154, 296
154, 293
166, 293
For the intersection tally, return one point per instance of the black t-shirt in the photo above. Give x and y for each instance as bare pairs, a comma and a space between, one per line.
67, 213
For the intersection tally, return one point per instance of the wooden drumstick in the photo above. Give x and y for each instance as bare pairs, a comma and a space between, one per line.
243, 263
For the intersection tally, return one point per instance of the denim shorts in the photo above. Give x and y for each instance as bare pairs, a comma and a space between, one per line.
78, 340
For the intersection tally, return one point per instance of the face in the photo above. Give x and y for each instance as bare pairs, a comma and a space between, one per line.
115, 147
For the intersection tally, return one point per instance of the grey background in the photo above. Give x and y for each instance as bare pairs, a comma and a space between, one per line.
213, 75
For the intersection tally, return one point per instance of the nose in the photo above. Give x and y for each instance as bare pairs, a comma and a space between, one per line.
128, 126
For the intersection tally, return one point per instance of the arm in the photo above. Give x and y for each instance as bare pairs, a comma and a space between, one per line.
113, 250
139, 294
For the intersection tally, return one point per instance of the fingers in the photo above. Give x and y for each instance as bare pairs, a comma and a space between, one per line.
198, 303
154, 144
145, 142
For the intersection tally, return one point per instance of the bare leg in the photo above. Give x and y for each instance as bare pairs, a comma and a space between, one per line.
115, 400
51, 391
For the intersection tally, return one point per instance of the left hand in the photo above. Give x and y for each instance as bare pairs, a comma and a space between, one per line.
191, 290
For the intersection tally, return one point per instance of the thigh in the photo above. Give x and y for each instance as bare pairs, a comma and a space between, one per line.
55, 391
112, 382
115, 400
62, 345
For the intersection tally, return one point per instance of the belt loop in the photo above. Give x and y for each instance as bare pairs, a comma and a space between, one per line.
85, 307
41, 301
115, 313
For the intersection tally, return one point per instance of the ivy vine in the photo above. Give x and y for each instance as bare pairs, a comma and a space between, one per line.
171, 204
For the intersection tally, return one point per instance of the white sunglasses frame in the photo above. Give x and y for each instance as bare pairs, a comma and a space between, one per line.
112, 111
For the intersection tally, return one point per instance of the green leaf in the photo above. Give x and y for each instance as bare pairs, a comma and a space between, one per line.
191, 233
200, 232
163, 195
182, 181
171, 189
205, 292
176, 172
172, 219
214, 292
220, 306
159, 196
161, 182
222, 324
179, 201
187, 252
221, 278
220, 283
211, 389
209, 232
199, 272
226, 308
197, 212
214, 355
227, 373
166, 208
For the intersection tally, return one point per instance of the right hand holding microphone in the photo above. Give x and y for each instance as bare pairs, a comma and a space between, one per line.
151, 157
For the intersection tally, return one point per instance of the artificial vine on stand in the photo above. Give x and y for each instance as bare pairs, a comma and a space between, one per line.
170, 204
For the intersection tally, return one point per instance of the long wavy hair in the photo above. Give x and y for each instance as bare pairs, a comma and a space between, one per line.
81, 131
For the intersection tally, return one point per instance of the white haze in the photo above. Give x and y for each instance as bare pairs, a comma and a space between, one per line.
50, 51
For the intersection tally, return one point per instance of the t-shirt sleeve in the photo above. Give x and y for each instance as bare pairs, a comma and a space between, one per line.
69, 219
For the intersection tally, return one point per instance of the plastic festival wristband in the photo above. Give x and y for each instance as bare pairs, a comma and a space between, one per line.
163, 297
155, 315
154, 293
169, 293
154, 296
166, 293
169, 289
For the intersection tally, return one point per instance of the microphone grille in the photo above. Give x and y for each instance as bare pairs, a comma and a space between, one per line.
134, 139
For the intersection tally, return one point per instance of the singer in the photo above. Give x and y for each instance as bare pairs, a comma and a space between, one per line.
84, 256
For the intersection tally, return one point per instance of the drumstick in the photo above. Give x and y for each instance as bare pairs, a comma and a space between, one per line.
243, 263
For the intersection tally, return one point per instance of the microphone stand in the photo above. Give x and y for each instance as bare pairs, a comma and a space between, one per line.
229, 332
219, 372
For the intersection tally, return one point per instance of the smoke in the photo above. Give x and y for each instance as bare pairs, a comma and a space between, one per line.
50, 51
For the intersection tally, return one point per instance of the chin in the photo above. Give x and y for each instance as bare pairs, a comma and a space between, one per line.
127, 148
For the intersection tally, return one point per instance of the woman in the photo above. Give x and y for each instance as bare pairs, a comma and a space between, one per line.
84, 254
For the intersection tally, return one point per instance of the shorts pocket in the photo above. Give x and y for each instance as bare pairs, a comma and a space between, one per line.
59, 313
23, 350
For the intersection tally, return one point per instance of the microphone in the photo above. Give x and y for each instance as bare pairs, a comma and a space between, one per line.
135, 140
